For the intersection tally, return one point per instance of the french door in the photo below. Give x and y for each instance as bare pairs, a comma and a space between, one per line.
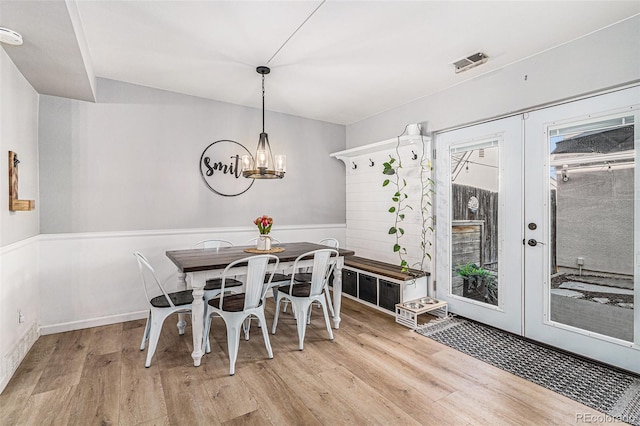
538, 225
582, 227
478, 223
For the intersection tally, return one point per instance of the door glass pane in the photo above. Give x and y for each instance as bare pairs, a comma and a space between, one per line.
592, 168
474, 215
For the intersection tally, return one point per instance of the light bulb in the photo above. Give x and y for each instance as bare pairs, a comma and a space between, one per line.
281, 162
261, 160
246, 162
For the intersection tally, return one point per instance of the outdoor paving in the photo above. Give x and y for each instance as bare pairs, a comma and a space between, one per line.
567, 293
593, 288
606, 281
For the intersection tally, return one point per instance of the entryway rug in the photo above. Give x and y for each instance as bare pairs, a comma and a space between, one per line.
606, 390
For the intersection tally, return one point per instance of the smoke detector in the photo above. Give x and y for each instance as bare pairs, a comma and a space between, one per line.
470, 62
10, 37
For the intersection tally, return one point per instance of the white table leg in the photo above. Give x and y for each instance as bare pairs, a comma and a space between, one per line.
182, 285
337, 291
198, 280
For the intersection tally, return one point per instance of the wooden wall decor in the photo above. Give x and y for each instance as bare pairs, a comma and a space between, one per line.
14, 203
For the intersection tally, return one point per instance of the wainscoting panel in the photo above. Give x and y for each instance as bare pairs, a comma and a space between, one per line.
92, 279
19, 308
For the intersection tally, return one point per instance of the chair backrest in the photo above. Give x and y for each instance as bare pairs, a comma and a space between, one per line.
213, 244
255, 286
149, 277
323, 263
255, 240
330, 242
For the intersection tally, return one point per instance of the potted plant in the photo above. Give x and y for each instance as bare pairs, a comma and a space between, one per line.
478, 281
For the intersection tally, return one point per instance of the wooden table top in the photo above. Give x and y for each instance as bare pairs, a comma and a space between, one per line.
194, 260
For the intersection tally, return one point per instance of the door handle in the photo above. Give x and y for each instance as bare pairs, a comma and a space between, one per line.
533, 242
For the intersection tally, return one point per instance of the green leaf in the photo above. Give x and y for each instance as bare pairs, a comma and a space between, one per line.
395, 199
392, 209
392, 230
386, 182
401, 216
404, 181
401, 231
392, 160
396, 248
397, 194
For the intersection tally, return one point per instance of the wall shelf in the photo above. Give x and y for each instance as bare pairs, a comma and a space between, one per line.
371, 148
14, 203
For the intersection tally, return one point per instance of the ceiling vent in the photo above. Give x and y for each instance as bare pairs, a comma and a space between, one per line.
470, 62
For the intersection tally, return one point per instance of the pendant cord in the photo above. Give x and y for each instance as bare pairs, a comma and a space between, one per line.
262, 103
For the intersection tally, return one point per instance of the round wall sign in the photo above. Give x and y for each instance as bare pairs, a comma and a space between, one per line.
221, 168
473, 204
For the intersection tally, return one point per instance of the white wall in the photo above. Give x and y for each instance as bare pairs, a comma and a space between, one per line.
130, 162
595, 62
91, 279
18, 230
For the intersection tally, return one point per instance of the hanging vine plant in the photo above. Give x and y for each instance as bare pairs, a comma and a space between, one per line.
394, 176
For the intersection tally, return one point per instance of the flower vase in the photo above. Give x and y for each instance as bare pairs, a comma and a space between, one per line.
264, 242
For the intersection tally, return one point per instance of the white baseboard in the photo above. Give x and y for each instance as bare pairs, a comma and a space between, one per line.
93, 322
14, 357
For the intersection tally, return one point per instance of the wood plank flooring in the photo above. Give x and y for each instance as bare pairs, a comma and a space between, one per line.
375, 372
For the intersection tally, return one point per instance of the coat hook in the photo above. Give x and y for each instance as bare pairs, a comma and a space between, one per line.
414, 156
354, 165
15, 160
371, 163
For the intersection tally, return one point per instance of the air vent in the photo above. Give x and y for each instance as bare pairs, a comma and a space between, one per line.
470, 62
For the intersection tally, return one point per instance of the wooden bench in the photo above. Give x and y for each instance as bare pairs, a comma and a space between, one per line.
381, 285
382, 268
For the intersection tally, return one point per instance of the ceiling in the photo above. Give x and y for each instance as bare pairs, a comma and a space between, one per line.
337, 61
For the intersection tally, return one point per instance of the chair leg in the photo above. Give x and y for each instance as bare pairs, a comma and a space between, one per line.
275, 318
207, 329
246, 326
300, 313
265, 334
154, 335
145, 336
329, 301
326, 319
234, 323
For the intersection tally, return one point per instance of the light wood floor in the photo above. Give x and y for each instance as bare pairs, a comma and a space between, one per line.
374, 372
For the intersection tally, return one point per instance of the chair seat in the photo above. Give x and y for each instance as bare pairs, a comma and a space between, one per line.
230, 303
298, 290
179, 298
277, 278
216, 283
303, 277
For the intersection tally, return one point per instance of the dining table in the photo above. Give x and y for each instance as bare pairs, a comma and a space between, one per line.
206, 263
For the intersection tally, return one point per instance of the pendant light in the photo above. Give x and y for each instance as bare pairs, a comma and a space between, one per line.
263, 166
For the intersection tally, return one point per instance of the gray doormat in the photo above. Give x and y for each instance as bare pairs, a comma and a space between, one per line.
606, 390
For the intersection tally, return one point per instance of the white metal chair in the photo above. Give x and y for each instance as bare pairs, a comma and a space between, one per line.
212, 285
160, 307
302, 295
306, 276
278, 278
235, 309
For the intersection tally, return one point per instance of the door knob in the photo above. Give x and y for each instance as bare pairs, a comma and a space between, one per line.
532, 242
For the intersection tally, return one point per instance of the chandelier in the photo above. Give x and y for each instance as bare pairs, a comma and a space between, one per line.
263, 166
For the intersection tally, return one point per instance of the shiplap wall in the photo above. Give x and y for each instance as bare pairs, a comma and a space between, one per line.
368, 202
